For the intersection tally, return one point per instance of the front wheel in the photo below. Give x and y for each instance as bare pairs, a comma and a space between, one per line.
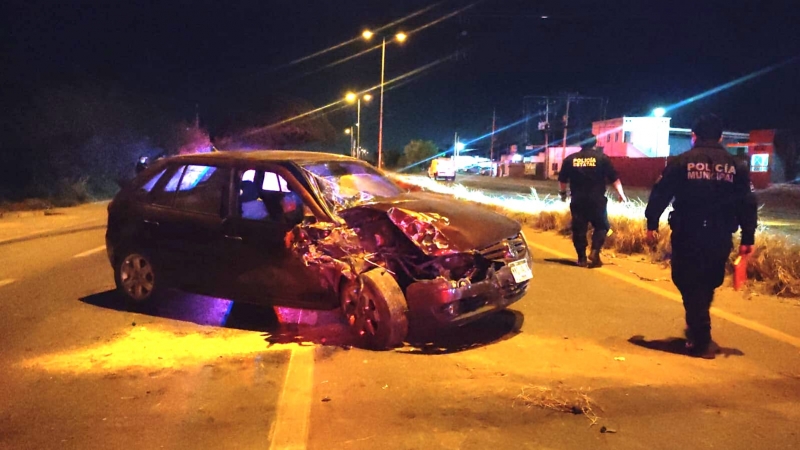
136, 278
375, 309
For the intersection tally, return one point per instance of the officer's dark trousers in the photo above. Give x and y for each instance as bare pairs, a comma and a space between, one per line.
585, 211
699, 256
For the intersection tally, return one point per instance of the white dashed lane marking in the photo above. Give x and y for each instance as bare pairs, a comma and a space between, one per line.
6, 282
90, 252
294, 405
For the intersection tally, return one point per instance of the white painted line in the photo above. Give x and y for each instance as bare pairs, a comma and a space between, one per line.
6, 282
294, 405
90, 252
730, 317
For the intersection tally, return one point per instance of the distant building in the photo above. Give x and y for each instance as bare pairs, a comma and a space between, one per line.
648, 137
633, 137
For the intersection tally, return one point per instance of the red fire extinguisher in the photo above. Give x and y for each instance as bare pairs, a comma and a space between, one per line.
739, 272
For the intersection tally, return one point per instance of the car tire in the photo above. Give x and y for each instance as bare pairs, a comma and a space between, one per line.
375, 310
136, 278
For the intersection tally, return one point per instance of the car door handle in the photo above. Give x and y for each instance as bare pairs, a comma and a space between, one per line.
233, 238
151, 222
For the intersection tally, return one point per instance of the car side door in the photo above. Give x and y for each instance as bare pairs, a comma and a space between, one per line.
155, 219
196, 232
268, 271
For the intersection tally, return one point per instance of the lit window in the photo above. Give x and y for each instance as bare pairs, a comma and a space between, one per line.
274, 182
195, 175
172, 184
759, 162
150, 184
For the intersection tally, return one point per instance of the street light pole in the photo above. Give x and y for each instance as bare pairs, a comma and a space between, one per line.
351, 98
358, 130
399, 37
349, 131
380, 114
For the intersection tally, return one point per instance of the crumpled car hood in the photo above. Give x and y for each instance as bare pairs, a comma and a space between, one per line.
459, 226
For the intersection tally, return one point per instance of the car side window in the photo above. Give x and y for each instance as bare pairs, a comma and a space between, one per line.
147, 185
151, 183
266, 196
201, 189
163, 193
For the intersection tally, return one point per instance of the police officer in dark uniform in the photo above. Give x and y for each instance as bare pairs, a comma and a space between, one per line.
712, 199
587, 172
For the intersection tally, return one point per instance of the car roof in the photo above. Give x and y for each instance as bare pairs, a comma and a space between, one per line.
295, 156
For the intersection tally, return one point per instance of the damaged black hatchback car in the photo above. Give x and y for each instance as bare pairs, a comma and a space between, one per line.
313, 230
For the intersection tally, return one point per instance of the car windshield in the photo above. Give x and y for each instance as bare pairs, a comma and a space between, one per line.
345, 184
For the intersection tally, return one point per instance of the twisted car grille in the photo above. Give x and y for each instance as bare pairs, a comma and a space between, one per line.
506, 250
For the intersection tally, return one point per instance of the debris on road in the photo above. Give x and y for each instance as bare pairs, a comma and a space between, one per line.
619, 358
572, 401
326, 399
603, 429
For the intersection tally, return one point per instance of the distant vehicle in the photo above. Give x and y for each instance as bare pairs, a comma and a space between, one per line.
480, 168
442, 169
317, 231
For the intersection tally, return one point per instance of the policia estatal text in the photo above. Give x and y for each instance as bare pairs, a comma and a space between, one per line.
712, 199
587, 173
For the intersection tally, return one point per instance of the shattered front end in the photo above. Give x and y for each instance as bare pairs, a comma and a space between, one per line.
498, 277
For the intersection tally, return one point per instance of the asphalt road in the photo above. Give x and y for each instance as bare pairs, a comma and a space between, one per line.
79, 371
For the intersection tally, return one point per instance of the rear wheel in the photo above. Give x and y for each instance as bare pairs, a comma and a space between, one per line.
136, 278
375, 309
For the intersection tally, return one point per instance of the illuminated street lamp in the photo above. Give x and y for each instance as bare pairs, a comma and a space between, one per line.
659, 112
352, 97
399, 37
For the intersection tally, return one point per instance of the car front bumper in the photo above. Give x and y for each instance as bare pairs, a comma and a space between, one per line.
461, 302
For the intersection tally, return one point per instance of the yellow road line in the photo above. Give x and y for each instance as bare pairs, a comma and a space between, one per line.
730, 317
90, 252
6, 282
294, 405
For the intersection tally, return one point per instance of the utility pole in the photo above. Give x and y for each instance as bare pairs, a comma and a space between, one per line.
491, 145
564, 139
547, 139
455, 146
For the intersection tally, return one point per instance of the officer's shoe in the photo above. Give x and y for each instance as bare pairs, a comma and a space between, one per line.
582, 262
594, 259
708, 351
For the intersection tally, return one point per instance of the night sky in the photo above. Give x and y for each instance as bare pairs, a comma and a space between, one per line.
638, 53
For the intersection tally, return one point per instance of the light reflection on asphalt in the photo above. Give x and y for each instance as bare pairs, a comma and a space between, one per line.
154, 347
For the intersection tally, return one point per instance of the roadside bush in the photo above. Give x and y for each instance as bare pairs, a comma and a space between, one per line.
71, 192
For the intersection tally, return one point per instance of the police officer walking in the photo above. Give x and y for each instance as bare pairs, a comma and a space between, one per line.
587, 173
712, 199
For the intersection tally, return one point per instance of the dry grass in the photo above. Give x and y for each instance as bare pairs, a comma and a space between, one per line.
561, 399
775, 266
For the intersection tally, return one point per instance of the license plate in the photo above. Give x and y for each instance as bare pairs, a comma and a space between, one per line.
520, 271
